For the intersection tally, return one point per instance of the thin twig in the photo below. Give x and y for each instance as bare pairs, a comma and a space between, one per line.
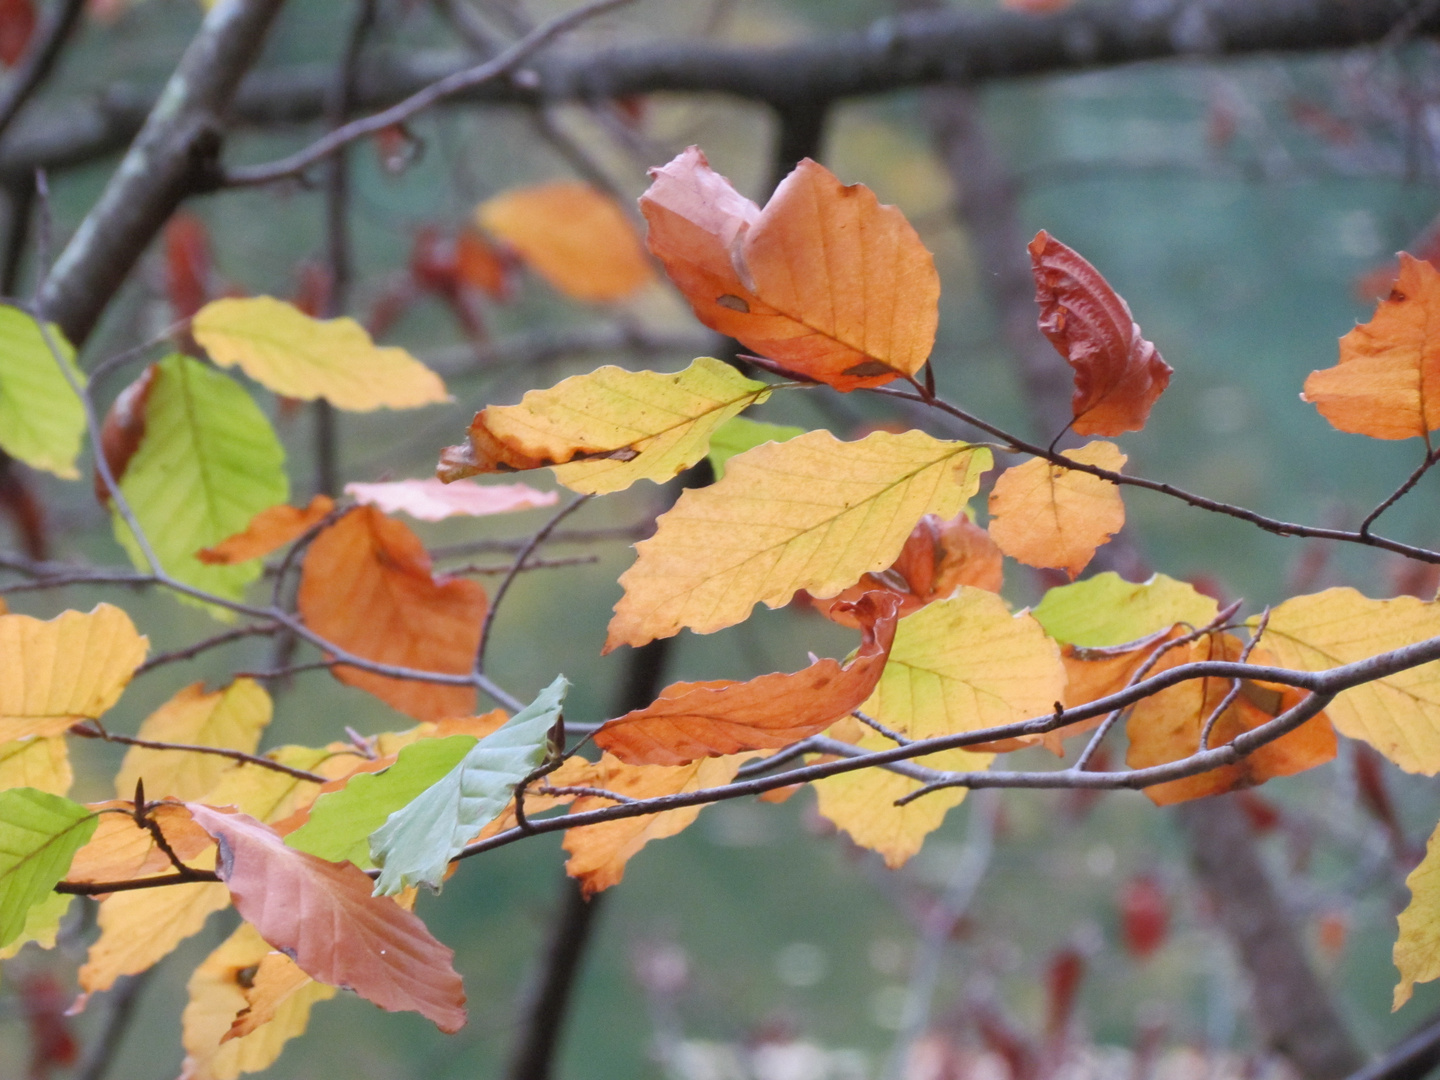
1235, 684
192, 651
578, 790
1431, 456
481, 569
87, 731
871, 722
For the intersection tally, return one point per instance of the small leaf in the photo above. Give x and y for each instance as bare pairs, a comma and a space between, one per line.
1107, 610
42, 925
38, 761
322, 916
720, 717
41, 418
417, 842
367, 586
268, 531
739, 434
434, 500
573, 236
813, 513
39, 835
287, 351
607, 429
1046, 515
825, 281
1118, 374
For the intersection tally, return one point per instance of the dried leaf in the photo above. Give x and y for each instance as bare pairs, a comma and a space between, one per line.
287, 351
1046, 515
813, 513
41, 762
41, 419
825, 281
739, 434
1107, 610
268, 531
434, 500
39, 835
1118, 374
367, 586
723, 716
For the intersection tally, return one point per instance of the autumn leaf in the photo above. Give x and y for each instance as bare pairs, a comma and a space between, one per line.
1118, 374
434, 500
1387, 383
607, 429
1107, 610
599, 853
277, 980
71, 668
825, 281
957, 665
269, 530
42, 925
39, 761
292, 354
42, 421
231, 719
1166, 726
723, 716
367, 586
321, 914
140, 928
573, 236
1047, 515
1399, 715
739, 434
39, 835
121, 849
269, 795
207, 463
417, 841
813, 513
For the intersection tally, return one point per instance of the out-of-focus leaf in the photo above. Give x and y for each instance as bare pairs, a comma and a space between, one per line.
41, 419
1417, 949
39, 835
232, 719
739, 434
268, 531
39, 761
17, 25
435, 500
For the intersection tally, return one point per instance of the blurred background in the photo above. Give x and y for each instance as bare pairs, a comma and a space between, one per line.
1248, 210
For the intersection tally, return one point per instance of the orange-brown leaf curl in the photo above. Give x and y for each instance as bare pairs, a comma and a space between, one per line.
712, 719
368, 587
268, 531
1118, 374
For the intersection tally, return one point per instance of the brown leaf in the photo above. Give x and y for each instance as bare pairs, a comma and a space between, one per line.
323, 916
123, 429
722, 716
1118, 374
367, 587
825, 281
268, 531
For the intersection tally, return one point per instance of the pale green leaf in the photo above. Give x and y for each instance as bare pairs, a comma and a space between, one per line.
41, 418
1108, 610
42, 924
739, 434
39, 835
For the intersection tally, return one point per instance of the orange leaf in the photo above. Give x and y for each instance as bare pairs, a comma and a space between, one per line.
268, 531
1387, 383
1047, 515
598, 853
710, 719
573, 236
322, 916
120, 849
1166, 726
1093, 673
825, 280
367, 587
277, 979
123, 430
1118, 374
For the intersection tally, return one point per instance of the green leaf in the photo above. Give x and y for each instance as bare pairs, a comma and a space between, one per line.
418, 841
42, 924
739, 434
209, 461
1108, 610
341, 822
41, 418
39, 835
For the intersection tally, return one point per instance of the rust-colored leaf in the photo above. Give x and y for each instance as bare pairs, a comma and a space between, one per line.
268, 531
367, 586
1118, 374
722, 716
123, 429
17, 24
322, 916
825, 281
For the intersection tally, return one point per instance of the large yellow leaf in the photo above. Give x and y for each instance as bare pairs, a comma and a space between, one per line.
605, 430
1046, 515
957, 665
139, 928
1398, 715
71, 668
1417, 949
813, 513
40, 761
231, 718
287, 351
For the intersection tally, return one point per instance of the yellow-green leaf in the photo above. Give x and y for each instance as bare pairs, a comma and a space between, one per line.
42, 924
1417, 948
39, 835
1107, 610
41, 418
739, 434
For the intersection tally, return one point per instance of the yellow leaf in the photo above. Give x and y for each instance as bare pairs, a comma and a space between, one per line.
1417, 949
1398, 715
957, 665
218, 993
573, 236
140, 928
813, 513
1046, 515
40, 762
605, 430
277, 981
268, 795
231, 718
287, 351
71, 668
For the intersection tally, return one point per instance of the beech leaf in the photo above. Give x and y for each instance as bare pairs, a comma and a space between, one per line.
1118, 374
813, 513
269, 530
37, 761
433, 500
1107, 610
120, 849
42, 421
42, 925
322, 915
825, 281
39, 835
739, 434
140, 928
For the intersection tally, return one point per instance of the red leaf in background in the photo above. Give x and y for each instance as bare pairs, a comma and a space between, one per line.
1262, 814
312, 289
44, 1002
481, 265
1144, 916
123, 429
1118, 374
1323, 123
19, 504
1062, 985
17, 23
187, 264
